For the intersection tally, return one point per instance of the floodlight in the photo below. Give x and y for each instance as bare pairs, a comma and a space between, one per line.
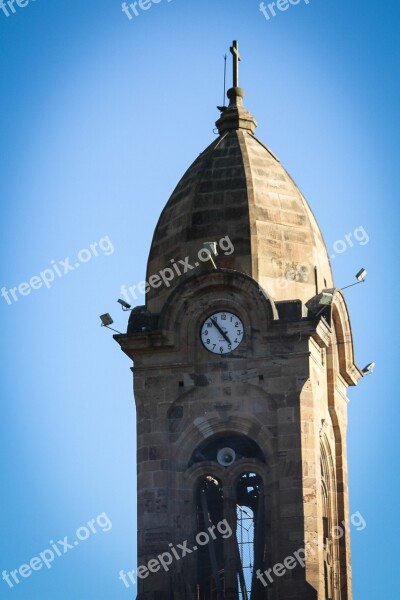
361, 275
106, 320
326, 299
369, 368
125, 305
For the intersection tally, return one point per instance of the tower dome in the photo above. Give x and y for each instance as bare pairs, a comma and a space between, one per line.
237, 189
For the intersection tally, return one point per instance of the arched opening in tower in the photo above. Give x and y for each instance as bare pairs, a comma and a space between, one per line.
227, 568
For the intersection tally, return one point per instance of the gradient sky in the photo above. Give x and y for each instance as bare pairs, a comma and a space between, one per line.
101, 116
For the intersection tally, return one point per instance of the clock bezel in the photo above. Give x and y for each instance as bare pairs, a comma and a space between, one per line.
214, 311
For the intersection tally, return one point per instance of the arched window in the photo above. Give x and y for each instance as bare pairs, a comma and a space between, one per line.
227, 566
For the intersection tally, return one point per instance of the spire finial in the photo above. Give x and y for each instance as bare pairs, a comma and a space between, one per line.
236, 59
235, 116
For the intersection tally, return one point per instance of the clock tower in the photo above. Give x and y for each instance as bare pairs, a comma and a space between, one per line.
242, 357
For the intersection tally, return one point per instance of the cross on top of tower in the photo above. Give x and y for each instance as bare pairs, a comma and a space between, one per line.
236, 59
235, 116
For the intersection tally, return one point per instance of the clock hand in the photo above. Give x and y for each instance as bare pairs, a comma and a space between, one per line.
221, 331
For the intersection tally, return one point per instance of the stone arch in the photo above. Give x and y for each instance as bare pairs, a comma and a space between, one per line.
187, 300
201, 429
340, 321
341, 366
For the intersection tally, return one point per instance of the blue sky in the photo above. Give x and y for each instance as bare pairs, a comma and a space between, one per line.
101, 116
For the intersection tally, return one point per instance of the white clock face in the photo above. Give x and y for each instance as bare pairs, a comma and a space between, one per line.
222, 332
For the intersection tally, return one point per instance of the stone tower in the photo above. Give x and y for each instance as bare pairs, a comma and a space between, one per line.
242, 357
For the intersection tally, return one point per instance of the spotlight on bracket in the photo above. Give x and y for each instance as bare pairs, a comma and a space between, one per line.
360, 276
369, 368
226, 457
106, 321
125, 305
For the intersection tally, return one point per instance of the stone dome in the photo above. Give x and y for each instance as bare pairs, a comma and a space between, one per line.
238, 189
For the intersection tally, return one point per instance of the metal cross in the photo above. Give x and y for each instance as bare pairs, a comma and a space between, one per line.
236, 58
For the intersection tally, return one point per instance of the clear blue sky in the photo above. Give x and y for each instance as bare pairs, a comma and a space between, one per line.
101, 115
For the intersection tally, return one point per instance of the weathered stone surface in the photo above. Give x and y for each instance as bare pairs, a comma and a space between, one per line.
238, 188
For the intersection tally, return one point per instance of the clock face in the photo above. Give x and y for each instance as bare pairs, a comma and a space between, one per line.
222, 332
